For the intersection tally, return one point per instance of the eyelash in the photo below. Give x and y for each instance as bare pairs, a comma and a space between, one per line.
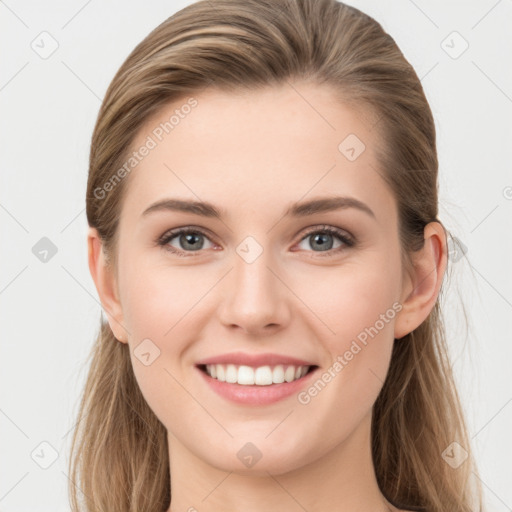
347, 240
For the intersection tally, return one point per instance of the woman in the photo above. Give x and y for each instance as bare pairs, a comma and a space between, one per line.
262, 203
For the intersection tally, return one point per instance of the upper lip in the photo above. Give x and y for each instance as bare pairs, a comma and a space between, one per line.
254, 360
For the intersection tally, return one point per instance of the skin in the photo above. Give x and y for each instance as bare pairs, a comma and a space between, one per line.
253, 154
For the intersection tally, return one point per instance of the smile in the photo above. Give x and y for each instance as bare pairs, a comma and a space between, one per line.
260, 376
256, 386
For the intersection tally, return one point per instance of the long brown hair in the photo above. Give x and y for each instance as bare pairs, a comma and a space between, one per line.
119, 449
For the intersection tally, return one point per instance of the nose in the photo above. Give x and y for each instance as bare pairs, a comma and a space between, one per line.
255, 298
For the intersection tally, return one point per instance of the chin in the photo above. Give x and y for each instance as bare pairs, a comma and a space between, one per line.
256, 458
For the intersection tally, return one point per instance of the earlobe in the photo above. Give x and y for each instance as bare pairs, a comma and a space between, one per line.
106, 286
424, 282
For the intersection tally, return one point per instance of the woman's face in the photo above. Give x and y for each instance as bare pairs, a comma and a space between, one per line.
264, 277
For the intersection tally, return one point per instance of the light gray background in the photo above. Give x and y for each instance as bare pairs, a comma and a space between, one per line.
50, 311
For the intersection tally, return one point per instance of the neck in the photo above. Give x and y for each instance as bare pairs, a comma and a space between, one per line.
342, 480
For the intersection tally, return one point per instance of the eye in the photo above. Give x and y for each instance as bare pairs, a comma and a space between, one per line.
189, 240
323, 240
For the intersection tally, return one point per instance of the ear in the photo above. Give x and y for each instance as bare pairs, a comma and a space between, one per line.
423, 282
105, 281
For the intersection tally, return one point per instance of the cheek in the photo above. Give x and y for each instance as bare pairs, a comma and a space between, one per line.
349, 299
156, 298
359, 308
355, 310
159, 305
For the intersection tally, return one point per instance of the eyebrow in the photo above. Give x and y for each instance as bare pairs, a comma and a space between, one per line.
299, 209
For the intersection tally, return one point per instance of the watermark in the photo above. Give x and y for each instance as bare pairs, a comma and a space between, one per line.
455, 455
342, 360
45, 45
44, 250
351, 147
249, 454
249, 249
454, 45
44, 455
151, 142
146, 352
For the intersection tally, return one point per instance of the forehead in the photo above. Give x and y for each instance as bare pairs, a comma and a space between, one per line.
257, 149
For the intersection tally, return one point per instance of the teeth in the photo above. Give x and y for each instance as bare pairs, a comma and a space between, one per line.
289, 374
231, 373
278, 374
261, 376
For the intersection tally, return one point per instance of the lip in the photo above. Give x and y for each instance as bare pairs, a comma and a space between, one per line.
255, 360
256, 395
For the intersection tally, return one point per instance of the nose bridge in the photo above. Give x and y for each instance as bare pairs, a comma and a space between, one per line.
254, 298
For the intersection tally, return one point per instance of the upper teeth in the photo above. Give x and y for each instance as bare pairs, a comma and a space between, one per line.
261, 376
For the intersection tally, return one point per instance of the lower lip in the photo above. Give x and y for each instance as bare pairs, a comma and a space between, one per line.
256, 395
